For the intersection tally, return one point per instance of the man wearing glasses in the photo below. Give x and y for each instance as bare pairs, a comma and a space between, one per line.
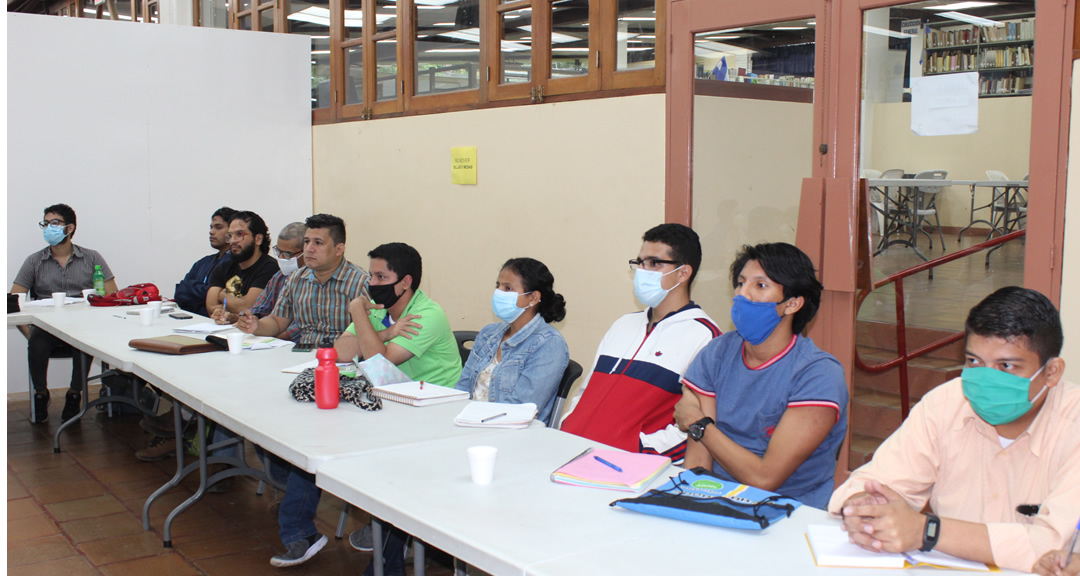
191, 291
61, 267
236, 285
629, 397
289, 253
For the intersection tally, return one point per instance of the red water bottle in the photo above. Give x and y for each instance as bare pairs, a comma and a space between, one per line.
327, 384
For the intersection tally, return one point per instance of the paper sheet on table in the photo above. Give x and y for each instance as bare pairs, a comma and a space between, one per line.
945, 104
380, 371
165, 309
343, 366
830, 547
514, 416
46, 302
203, 328
252, 342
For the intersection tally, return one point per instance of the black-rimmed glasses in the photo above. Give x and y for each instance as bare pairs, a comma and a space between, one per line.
54, 222
651, 263
285, 255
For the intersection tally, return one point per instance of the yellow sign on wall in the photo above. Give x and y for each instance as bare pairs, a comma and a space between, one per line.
463, 165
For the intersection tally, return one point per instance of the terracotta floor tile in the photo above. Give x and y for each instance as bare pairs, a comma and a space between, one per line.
130, 473
122, 548
163, 565
23, 508
85, 508
51, 476
106, 460
15, 489
141, 488
254, 563
40, 462
39, 550
87, 529
71, 566
30, 528
68, 491
204, 546
190, 528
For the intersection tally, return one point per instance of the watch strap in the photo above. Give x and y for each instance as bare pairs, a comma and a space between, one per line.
931, 532
700, 425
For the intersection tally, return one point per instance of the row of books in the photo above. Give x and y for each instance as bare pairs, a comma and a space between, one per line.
1006, 57
1006, 32
960, 61
951, 61
1007, 85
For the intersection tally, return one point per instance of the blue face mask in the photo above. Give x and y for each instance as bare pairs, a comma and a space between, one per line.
755, 321
647, 286
54, 234
998, 397
504, 305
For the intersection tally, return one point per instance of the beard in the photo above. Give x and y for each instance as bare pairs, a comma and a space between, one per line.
245, 253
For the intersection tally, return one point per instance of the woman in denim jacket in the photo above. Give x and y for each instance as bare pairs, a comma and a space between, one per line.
522, 358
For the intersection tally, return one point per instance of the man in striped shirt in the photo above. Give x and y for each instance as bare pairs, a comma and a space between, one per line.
61, 267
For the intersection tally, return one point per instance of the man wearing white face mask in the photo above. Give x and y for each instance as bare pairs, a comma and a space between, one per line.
60, 267
289, 252
993, 456
629, 396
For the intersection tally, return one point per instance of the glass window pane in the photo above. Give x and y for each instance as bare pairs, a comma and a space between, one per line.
138, 10
213, 13
312, 19
569, 38
123, 10
354, 18
88, 8
778, 54
447, 46
244, 5
515, 46
635, 38
266, 20
153, 12
354, 75
385, 15
244, 22
386, 70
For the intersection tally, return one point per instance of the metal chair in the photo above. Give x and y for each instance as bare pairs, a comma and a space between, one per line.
463, 337
924, 205
570, 375
877, 198
894, 213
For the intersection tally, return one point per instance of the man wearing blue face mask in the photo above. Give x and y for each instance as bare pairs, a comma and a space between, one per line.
763, 405
60, 267
628, 396
993, 455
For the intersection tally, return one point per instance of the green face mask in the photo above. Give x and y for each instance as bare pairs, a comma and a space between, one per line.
998, 397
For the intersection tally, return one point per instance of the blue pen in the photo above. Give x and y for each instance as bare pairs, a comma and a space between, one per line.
608, 464
1072, 546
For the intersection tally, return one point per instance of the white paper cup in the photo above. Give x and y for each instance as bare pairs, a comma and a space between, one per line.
146, 316
59, 298
482, 464
236, 342
156, 307
87, 292
23, 297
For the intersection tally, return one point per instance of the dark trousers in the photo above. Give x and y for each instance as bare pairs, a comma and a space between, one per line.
42, 346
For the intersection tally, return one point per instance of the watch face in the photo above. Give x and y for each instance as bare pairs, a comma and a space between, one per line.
696, 431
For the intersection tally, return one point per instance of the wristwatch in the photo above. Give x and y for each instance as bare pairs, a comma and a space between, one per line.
930, 532
697, 429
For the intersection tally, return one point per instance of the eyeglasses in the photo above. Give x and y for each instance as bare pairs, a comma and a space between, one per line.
651, 263
238, 236
285, 255
54, 222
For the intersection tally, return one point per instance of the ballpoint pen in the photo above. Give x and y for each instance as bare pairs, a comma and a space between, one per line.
493, 417
608, 464
1072, 546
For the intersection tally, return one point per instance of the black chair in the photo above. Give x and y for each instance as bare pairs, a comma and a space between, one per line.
463, 337
570, 375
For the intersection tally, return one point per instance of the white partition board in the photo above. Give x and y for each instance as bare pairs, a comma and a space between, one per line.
145, 130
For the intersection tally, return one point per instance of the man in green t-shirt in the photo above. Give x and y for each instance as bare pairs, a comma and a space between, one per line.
412, 331
400, 321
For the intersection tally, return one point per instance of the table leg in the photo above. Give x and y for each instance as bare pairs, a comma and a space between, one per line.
418, 557
377, 546
201, 431
178, 426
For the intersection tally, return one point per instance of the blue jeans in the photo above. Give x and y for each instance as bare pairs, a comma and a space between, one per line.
296, 517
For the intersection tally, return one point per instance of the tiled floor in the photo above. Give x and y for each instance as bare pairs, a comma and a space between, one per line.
942, 303
79, 512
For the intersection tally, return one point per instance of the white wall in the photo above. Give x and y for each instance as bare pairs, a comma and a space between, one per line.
145, 131
1070, 258
572, 184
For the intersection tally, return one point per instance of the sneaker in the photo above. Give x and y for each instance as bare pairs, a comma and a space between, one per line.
300, 551
41, 407
221, 486
159, 448
159, 425
72, 406
362, 540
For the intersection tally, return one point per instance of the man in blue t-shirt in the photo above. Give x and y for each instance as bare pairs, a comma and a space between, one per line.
190, 292
763, 405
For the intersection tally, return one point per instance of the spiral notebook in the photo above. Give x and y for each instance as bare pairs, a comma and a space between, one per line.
419, 393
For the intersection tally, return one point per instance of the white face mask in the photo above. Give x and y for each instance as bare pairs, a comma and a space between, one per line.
647, 286
288, 266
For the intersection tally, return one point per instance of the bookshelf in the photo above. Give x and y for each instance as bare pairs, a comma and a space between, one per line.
1002, 55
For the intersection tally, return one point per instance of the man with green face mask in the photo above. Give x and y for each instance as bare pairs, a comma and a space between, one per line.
995, 453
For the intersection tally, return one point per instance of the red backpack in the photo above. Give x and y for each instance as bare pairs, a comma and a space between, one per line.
134, 294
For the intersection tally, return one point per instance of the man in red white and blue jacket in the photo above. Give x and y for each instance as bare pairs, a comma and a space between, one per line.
629, 396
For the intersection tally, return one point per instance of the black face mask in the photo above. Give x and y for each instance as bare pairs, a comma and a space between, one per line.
384, 294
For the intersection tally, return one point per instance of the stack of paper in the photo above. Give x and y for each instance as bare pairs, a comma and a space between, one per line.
419, 393
203, 328
612, 470
165, 309
830, 546
496, 415
252, 342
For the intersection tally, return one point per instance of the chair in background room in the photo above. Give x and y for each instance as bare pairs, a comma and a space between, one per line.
570, 375
877, 200
894, 212
924, 205
463, 337
1006, 210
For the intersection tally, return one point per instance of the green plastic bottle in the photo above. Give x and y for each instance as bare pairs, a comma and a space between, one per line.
99, 280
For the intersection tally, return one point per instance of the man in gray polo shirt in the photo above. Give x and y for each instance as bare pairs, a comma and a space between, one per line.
61, 267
